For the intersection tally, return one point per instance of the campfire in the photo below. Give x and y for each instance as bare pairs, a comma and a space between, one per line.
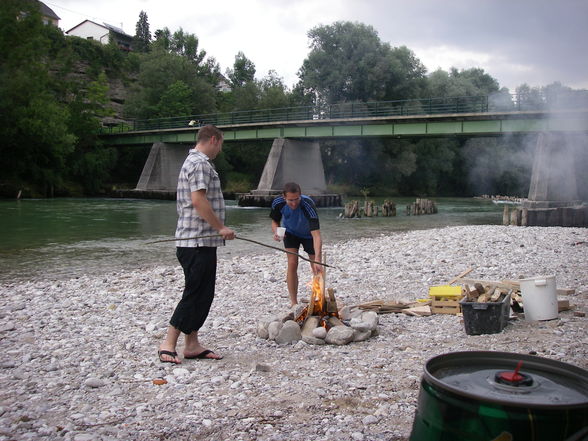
321, 321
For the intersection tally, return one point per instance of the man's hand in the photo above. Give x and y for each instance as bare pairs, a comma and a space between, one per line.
227, 233
317, 269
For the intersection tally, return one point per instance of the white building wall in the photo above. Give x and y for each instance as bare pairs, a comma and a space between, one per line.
91, 30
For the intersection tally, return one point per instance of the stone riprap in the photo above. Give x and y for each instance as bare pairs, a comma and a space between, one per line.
79, 356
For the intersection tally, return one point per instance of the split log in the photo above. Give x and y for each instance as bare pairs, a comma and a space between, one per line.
334, 321
496, 295
563, 305
505, 215
310, 323
332, 308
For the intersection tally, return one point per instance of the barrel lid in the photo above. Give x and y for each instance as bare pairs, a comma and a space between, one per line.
493, 377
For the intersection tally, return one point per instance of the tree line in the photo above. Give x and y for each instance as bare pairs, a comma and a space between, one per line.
55, 95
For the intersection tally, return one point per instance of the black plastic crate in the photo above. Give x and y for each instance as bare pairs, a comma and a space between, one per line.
485, 318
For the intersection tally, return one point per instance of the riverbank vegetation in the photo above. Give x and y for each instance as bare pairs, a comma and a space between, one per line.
56, 91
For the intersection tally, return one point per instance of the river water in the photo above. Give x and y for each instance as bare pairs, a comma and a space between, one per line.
63, 238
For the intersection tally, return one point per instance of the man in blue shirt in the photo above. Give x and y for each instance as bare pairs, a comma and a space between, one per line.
297, 213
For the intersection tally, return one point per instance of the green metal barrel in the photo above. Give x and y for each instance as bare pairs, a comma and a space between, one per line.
501, 396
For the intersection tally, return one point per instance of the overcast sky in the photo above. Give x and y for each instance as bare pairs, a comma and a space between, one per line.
516, 41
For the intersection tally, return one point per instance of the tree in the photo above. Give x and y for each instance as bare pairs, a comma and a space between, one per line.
274, 93
468, 82
33, 123
348, 62
243, 71
160, 70
142, 38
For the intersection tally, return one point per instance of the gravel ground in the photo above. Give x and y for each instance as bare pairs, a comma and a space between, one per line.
79, 355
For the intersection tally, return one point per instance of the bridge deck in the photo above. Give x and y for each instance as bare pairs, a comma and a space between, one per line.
439, 125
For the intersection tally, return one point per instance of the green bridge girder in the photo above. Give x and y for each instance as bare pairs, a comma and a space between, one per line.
463, 124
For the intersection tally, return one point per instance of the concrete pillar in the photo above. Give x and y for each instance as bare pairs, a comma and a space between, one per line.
553, 193
553, 179
160, 172
293, 161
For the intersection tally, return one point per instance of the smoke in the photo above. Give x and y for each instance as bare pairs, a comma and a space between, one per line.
504, 165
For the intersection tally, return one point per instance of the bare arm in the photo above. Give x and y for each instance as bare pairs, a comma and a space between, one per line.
274, 226
205, 211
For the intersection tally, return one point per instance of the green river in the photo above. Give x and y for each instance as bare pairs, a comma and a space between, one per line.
69, 237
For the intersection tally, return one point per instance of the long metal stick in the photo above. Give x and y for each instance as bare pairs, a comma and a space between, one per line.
248, 240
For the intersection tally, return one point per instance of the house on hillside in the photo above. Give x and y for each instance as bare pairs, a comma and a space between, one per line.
102, 33
47, 15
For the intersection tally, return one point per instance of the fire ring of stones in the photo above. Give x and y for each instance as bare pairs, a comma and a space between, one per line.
320, 322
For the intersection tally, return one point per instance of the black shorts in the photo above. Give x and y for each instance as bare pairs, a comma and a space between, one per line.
291, 241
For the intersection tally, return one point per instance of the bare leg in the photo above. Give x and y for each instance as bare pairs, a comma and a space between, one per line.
169, 344
292, 277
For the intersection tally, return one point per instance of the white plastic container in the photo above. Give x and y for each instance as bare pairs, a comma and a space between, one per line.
539, 298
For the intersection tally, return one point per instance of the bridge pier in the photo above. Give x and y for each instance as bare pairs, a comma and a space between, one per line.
291, 160
553, 194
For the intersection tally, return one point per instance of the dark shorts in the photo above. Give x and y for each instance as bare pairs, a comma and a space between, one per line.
199, 265
291, 241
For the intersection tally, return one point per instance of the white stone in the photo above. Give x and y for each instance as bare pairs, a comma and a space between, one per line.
319, 332
94, 382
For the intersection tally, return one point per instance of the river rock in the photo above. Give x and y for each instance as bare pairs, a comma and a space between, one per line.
339, 335
289, 333
312, 391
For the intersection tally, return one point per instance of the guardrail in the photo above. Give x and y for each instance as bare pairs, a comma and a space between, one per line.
499, 102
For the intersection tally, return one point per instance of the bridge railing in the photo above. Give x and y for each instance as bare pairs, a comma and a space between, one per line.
498, 102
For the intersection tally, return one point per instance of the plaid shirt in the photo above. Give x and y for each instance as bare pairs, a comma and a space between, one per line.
198, 174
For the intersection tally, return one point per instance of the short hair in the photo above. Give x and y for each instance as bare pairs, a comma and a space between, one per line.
207, 132
292, 187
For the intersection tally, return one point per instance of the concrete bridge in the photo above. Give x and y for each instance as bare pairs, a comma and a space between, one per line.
297, 133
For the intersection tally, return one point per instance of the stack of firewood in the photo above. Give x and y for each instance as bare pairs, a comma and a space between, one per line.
421, 206
482, 293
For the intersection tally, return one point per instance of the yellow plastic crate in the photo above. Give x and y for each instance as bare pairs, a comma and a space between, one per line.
446, 291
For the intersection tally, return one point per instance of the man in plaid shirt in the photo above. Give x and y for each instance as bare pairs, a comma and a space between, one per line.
201, 212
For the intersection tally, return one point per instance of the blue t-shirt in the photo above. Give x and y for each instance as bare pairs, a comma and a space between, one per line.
299, 222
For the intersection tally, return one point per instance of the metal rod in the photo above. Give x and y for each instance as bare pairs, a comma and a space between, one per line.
247, 240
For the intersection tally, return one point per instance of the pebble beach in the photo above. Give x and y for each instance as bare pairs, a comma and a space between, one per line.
79, 356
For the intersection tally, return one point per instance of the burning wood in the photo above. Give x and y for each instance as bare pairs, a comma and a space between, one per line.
320, 322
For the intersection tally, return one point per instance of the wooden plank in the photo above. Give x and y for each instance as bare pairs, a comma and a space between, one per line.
418, 311
563, 305
460, 275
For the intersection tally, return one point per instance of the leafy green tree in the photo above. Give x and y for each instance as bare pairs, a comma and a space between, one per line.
274, 93
159, 70
348, 62
176, 100
243, 71
33, 123
468, 82
142, 38
162, 39
186, 45
91, 162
